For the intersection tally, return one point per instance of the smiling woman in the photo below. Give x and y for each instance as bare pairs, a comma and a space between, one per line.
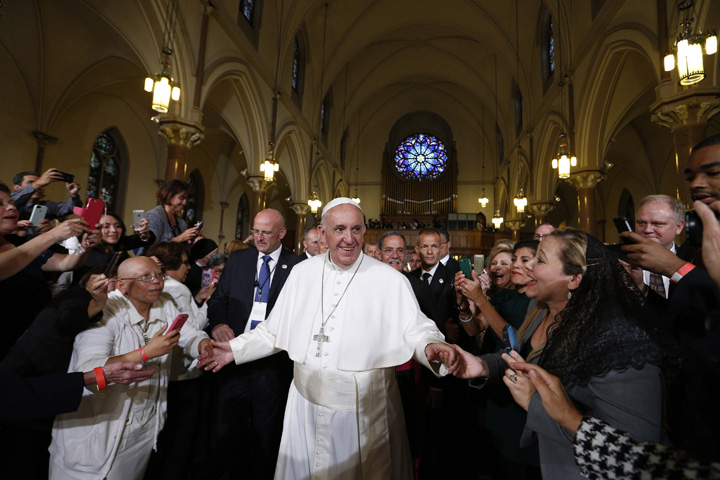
589, 329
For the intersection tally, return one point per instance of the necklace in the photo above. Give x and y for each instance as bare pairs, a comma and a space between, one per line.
321, 337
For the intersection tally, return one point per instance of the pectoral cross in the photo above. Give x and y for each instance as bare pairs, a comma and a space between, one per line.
320, 338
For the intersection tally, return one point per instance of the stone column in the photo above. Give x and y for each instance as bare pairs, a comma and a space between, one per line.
43, 140
259, 187
301, 210
686, 114
585, 183
180, 136
540, 212
515, 226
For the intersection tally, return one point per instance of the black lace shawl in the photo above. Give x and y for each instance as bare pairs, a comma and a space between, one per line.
604, 326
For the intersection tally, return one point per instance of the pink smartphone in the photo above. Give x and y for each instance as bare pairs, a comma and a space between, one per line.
178, 322
92, 212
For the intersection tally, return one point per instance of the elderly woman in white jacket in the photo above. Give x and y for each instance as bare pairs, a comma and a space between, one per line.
114, 430
184, 435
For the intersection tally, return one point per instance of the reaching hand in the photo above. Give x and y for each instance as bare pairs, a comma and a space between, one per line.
143, 229
711, 238
222, 333
205, 293
217, 357
467, 365
442, 352
74, 188
126, 372
69, 228
555, 399
49, 176
162, 343
187, 235
97, 287
22, 228
651, 255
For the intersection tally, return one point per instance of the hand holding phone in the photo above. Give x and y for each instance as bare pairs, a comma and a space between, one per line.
113, 263
92, 212
38, 215
622, 225
137, 218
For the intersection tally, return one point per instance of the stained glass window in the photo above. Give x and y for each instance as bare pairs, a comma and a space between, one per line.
421, 156
551, 46
296, 65
104, 170
247, 7
323, 117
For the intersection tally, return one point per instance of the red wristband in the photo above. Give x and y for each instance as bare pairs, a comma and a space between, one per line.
100, 377
681, 272
143, 357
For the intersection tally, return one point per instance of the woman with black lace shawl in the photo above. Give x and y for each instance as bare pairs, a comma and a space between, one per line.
589, 329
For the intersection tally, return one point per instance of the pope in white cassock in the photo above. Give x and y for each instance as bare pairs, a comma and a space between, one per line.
343, 418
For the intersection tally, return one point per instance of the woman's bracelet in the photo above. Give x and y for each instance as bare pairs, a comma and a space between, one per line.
100, 378
143, 356
465, 319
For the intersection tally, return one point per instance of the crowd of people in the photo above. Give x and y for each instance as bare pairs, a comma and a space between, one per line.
147, 353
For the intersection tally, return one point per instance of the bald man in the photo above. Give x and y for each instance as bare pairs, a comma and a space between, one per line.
113, 432
252, 397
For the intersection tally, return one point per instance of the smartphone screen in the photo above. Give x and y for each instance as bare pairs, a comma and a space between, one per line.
466, 268
207, 277
509, 339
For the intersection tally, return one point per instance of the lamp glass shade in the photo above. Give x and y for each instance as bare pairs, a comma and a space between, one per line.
520, 203
669, 62
711, 44
497, 220
554, 163
564, 167
161, 95
149, 82
483, 201
695, 71
176, 93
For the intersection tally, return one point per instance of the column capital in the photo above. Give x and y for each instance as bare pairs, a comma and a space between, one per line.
300, 208
179, 132
540, 209
258, 184
43, 139
514, 225
686, 108
586, 179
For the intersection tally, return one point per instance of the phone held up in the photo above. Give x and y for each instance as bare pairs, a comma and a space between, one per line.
137, 218
67, 177
466, 268
178, 322
694, 227
38, 215
208, 276
509, 339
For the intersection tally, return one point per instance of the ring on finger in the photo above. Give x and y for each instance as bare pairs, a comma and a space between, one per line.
513, 377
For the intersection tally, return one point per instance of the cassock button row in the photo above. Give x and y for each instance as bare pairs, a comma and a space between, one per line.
317, 465
333, 305
336, 293
326, 354
324, 366
331, 329
332, 316
337, 283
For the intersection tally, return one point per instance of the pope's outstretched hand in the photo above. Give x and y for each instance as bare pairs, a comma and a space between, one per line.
442, 352
214, 360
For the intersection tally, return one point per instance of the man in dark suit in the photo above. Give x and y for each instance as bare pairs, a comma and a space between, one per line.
311, 243
694, 308
252, 397
450, 263
434, 289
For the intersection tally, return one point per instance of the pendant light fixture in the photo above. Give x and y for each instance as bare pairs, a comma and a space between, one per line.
162, 85
688, 48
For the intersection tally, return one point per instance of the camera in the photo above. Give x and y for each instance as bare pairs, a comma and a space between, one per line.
694, 227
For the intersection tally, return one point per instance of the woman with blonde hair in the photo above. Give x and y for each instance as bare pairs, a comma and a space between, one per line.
589, 330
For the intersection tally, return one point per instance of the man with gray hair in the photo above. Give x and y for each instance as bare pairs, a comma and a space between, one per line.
659, 218
343, 417
310, 242
372, 249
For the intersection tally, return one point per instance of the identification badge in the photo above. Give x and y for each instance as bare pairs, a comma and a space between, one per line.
257, 314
